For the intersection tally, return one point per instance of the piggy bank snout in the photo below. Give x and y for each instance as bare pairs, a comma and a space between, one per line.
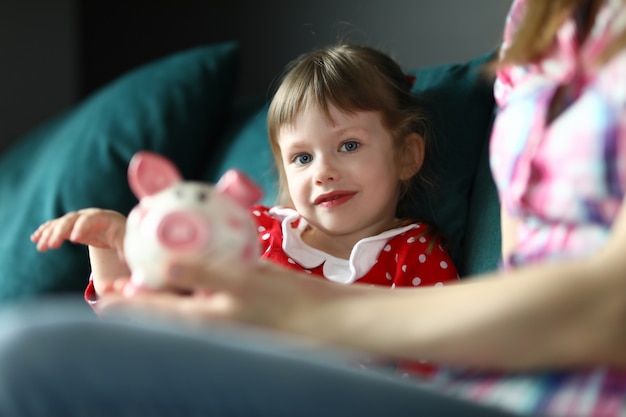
183, 231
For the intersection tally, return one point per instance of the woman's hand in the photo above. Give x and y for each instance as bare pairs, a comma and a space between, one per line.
262, 294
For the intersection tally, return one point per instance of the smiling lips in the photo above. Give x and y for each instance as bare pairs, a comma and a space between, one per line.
333, 199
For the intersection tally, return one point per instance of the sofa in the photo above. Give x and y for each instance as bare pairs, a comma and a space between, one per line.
184, 106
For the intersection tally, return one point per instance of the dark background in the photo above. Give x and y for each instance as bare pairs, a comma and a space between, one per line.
53, 53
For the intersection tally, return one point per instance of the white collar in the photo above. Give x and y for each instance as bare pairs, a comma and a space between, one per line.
363, 257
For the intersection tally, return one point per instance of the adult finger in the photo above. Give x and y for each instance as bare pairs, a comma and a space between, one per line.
166, 306
215, 275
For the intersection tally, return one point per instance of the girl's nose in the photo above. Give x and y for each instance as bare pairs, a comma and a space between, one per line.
325, 172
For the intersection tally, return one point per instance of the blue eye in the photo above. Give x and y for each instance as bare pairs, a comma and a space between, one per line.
303, 159
349, 146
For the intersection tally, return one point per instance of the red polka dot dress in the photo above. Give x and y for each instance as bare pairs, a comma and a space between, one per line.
408, 256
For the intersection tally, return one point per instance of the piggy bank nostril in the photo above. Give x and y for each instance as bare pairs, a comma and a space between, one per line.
178, 233
182, 231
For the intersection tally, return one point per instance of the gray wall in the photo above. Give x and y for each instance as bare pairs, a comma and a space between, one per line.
37, 63
42, 64
415, 32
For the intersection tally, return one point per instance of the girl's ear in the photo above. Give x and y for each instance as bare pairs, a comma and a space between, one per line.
411, 156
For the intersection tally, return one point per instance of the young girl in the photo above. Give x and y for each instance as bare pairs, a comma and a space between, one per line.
348, 139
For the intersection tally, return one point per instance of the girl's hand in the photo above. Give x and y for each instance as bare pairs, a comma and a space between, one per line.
92, 226
102, 230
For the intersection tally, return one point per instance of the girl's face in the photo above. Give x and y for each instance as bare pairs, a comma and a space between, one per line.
341, 171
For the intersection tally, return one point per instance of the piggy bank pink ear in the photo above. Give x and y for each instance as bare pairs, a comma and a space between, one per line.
149, 173
239, 187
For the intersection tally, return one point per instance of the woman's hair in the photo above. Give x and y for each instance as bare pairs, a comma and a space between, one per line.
352, 78
542, 19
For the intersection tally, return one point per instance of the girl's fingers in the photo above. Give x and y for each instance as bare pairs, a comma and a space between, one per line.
36, 235
99, 228
84, 223
51, 234
114, 286
61, 229
165, 305
185, 309
74, 226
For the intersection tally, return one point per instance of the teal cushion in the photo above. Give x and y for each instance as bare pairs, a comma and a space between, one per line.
174, 106
481, 242
245, 146
459, 98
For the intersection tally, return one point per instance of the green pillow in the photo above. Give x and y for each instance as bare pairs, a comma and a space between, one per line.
482, 239
174, 106
459, 98
245, 146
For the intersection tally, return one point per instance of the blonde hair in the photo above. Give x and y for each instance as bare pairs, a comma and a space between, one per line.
542, 19
352, 78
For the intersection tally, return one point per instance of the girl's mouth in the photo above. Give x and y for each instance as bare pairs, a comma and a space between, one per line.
334, 199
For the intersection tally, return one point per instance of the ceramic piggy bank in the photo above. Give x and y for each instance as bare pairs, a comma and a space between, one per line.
185, 220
